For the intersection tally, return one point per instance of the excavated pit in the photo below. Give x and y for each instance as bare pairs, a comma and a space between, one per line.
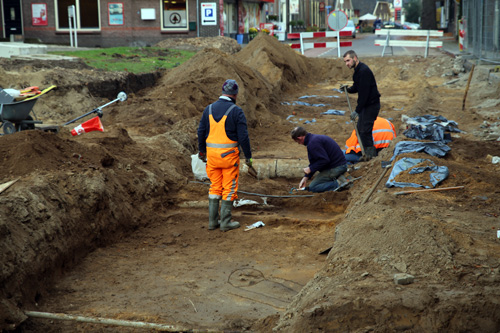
113, 224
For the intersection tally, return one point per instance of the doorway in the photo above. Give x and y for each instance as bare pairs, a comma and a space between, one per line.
13, 22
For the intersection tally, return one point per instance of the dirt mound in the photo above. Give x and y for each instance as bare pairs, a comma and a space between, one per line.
285, 68
225, 44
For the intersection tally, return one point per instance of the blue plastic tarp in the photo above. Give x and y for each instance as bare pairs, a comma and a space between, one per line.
437, 175
335, 112
310, 96
303, 103
434, 148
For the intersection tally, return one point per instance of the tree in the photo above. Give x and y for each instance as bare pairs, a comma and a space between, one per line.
413, 9
428, 21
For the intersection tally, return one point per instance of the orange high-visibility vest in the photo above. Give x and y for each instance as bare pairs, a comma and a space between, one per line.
383, 133
221, 151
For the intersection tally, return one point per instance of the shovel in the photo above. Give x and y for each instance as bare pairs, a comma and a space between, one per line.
355, 127
252, 172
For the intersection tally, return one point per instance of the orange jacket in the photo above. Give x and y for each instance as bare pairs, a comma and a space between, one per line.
383, 132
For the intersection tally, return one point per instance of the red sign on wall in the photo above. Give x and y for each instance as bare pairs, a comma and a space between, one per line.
322, 6
39, 14
268, 26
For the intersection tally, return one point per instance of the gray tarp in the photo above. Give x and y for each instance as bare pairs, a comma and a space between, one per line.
429, 120
438, 174
430, 127
433, 132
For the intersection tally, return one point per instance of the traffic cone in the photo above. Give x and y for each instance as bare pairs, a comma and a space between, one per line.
93, 124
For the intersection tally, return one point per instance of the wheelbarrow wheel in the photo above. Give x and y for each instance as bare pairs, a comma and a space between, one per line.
8, 127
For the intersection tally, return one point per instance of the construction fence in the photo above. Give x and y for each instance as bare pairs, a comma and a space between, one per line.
481, 20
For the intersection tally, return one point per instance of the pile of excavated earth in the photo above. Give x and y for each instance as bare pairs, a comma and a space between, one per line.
112, 226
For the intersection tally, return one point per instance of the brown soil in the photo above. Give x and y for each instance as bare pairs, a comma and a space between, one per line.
114, 225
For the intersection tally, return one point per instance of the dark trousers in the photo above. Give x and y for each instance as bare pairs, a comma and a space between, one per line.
326, 180
365, 124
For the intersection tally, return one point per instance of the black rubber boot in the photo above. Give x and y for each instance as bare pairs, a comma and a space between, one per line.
225, 212
213, 214
370, 152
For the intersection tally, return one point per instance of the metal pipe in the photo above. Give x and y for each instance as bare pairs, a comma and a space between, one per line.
105, 321
121, 97
273, 168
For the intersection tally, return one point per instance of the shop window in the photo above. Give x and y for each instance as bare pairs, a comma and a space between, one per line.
86, 14
175, 13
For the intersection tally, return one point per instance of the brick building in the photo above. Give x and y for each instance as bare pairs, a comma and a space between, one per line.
105, 23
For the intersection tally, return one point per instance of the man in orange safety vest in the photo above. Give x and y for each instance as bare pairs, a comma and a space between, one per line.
222, 128
383, 133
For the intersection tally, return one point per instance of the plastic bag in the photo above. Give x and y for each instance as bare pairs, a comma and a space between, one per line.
199, 168
13, 92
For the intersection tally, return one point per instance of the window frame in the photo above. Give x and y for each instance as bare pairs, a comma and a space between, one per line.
77, 17
162, 21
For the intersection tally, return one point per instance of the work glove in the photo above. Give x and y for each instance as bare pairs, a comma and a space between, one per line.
354, 115
202, 156
249, 162
343, 87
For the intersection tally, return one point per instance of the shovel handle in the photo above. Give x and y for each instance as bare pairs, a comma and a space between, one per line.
355, 127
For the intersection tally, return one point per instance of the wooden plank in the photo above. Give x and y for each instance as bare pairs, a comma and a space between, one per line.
408, 43
402, 32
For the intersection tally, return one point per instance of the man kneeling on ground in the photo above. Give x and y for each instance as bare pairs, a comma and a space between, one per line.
383, 133
326, 157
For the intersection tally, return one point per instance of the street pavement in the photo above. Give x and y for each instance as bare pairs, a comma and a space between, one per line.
364, 46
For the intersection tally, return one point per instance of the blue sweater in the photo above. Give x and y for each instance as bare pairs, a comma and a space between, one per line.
323, 153
236, 125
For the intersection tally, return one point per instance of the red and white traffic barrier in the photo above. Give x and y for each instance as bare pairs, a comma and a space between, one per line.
304, 46
461, 35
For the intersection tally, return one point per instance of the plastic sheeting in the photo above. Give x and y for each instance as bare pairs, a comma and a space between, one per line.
303, 103
433, 132
429, 127
429, 120
333, 96
435, 148
334, 112
438, 174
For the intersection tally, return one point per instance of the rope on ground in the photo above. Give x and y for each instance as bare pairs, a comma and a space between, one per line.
264, 195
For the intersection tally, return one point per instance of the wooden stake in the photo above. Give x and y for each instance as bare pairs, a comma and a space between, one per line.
430, 189
376, 184
468, 84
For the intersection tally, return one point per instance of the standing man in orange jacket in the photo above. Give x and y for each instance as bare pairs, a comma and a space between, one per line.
222, 128
383, 133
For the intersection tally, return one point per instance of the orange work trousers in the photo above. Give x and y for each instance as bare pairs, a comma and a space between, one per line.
224, 177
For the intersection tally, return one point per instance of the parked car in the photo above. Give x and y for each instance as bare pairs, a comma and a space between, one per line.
392, 25
411, 26
350, 27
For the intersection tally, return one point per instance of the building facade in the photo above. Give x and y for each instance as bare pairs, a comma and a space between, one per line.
106, 23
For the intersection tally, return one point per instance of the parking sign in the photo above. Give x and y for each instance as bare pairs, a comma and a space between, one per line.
208, 13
